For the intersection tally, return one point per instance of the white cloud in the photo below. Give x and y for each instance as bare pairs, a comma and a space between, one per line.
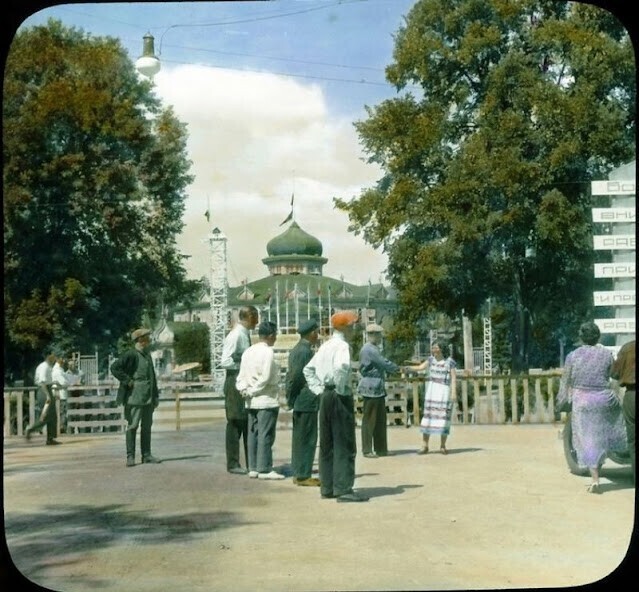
254, 139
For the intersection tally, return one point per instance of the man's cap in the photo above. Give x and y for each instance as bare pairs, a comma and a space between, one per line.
343, 319
374, 328
139, 333
307, 326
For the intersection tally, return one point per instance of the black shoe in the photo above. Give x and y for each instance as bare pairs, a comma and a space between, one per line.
53, 442
328, 496
238, 471
27, 434
151, 459
351, 497
130, 461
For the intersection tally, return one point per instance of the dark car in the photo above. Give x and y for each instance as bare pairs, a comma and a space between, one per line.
619, 457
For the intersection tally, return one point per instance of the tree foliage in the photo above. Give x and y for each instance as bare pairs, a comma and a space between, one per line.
192, 344
94, 180
509, 109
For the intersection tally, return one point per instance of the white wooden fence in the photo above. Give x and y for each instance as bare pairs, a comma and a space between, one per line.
527, 398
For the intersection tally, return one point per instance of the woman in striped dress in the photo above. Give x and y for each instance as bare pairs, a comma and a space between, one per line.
440, 395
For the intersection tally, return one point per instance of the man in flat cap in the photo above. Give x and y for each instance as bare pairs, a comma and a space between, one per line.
138, 392
237, 341
373, 367
305, 405
328, 375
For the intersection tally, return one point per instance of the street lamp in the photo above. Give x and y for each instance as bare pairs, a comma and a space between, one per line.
148, 63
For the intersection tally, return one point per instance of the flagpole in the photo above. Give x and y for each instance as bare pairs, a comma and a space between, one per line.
277, 305
286, 303
319, 293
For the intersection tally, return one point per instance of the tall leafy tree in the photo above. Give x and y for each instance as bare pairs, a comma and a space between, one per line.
508, 110
94, 180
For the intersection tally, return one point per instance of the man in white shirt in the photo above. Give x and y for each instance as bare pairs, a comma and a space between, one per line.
328, 375
258, 382
45, 404
235, 344
61, 383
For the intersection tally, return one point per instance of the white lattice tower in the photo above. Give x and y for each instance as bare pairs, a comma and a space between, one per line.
219, 304
488, 346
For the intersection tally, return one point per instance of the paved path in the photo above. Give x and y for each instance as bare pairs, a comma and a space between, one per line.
500, 510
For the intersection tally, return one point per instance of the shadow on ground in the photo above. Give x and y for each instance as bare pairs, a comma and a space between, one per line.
383, 491
62, 535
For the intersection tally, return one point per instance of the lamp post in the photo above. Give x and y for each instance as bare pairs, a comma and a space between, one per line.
148, 64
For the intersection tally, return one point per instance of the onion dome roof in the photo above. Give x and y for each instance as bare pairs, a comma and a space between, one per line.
294, 241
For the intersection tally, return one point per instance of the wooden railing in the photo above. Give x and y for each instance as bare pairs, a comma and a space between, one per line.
501, 399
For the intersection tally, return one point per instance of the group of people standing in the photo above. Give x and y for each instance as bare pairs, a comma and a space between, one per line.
318, 390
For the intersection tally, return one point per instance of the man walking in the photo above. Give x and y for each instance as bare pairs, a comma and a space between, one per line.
258, 382
373, 368
45, 403
328, 375
305, 406
235, 344
138, 392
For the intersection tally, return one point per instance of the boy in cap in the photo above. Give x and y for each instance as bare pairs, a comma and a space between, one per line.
328, 375
138, 392
258, 382
305, 405
373, 368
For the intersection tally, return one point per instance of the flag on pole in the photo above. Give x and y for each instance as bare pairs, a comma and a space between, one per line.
290, 216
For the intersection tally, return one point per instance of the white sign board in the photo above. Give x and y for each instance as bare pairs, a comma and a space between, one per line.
607, 242
626, 187
620, 325
604, 215
614, 270
614, 298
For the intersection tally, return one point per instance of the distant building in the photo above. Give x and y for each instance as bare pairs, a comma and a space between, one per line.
294, 290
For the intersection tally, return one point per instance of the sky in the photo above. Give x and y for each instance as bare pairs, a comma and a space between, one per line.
269, 91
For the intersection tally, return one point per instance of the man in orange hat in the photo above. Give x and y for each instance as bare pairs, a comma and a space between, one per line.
328, 375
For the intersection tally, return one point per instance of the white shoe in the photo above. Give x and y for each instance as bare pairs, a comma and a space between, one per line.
272, 475
253, 474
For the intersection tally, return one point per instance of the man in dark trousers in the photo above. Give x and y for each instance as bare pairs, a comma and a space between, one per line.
45, 401
138, 392
305, 405
373, 367
235, 344
623, 370
328, 375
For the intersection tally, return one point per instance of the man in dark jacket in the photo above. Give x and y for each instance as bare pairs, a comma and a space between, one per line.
305, 406
138, 392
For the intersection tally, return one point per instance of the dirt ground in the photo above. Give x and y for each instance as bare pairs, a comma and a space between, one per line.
500, 511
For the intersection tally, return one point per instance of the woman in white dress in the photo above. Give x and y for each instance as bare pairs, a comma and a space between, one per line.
441, 393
